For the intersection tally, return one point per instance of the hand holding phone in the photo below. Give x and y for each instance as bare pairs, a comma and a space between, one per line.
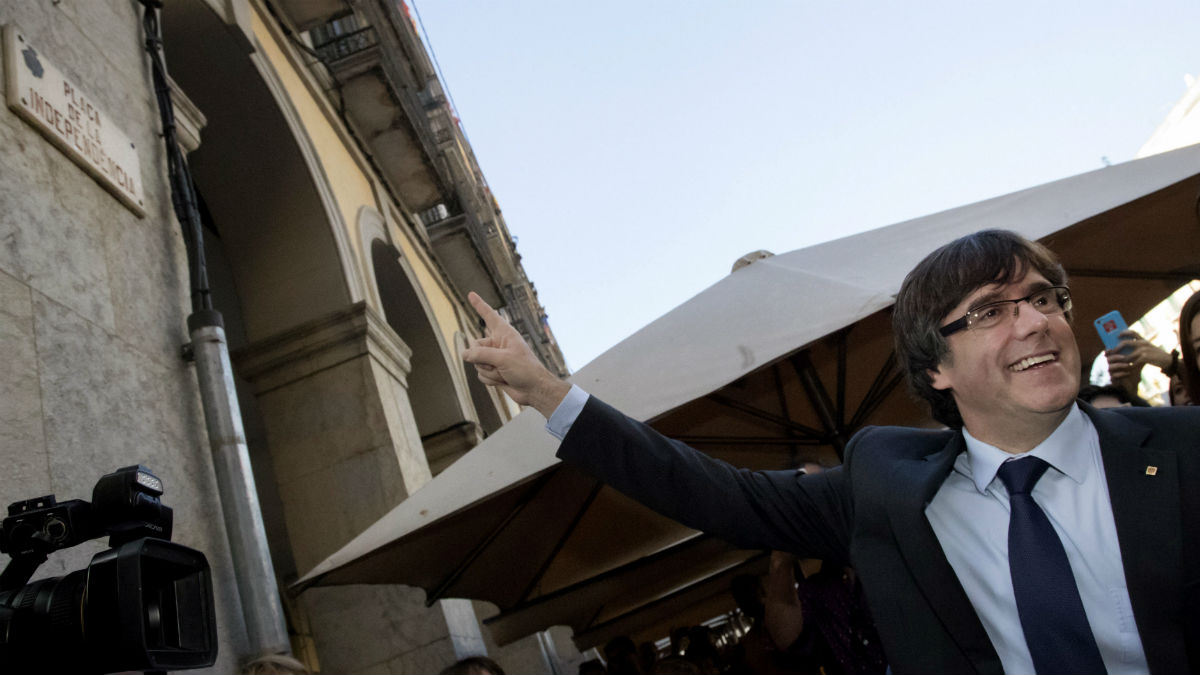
1110, 326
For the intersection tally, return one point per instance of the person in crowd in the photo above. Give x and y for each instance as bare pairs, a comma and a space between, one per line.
1109, 396
783, 615
592, 667
1030, 535
822, 621
834, 606
647, 656
678, 638
1177, 393
1126, 360
620, 654
702, 651
1189, 340
473, 665
756, 651
676, 665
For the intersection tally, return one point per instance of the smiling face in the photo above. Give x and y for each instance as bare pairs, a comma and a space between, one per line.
1014, 382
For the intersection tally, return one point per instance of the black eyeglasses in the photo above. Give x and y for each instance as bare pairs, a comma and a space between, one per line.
1049, 301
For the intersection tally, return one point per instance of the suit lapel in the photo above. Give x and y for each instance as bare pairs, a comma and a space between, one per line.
925, 558
1143, 486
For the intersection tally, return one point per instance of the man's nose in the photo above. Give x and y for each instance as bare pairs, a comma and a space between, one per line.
1026, 319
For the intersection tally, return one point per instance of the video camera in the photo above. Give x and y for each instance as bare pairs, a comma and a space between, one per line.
143, 604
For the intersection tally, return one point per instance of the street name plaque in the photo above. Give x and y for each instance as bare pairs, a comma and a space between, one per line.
57, 107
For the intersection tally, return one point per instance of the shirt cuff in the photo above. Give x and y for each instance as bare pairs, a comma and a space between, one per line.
565, 414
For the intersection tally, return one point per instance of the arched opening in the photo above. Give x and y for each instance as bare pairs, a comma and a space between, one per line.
274, 227
445, 431
331, 431
481, 398
273, 261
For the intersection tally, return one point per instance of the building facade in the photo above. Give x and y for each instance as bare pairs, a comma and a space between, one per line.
345, 218
1181, 126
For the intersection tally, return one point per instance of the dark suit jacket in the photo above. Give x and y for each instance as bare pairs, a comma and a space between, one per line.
870, 513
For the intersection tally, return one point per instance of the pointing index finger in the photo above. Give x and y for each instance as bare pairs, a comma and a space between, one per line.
490, 316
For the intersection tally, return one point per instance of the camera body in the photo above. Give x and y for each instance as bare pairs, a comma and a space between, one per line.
38, 524
143, 604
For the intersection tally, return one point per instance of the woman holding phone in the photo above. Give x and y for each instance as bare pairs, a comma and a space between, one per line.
1126, 368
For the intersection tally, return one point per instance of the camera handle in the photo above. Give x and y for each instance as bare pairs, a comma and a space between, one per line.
21, 567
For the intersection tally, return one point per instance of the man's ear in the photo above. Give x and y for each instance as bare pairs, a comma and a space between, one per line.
938, 379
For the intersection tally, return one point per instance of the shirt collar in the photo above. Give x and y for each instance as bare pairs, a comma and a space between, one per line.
1064, 449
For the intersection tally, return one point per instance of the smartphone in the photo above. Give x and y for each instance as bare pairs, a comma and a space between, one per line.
1110, 326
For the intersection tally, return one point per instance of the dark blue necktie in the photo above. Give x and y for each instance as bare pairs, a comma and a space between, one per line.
1052, 617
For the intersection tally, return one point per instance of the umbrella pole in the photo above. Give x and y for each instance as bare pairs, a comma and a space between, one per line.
455, 574
820, 400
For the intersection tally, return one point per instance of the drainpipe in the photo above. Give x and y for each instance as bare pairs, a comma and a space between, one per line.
266, 628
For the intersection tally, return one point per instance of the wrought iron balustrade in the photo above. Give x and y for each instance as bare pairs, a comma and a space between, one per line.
342, 46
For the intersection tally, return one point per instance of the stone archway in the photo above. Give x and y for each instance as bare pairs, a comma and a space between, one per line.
276, 259
446, 430
481, 396
323, 377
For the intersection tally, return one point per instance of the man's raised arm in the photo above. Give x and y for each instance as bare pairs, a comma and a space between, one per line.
504, 360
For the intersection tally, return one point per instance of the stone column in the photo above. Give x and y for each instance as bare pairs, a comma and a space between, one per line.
445, 447
345, 448
343, 440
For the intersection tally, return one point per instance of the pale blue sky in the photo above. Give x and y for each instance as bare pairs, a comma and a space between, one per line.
638, 148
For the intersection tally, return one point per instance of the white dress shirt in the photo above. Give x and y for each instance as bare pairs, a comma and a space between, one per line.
1074, 495
564, 415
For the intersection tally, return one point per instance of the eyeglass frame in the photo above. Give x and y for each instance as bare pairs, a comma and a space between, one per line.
964, 323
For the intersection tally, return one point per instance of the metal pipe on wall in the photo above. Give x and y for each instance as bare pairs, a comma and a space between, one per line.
262, 609
266, 627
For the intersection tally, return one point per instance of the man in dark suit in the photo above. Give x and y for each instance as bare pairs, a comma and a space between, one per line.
1034, 534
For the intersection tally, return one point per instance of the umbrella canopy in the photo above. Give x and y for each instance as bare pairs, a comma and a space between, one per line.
779, 362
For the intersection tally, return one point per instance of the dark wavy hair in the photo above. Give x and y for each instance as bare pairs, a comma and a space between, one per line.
1190, 373
938, 283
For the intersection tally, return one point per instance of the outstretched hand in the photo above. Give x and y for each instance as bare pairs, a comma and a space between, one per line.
504, 360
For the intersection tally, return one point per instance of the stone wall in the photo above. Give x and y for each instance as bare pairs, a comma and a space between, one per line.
93, 303
93, 308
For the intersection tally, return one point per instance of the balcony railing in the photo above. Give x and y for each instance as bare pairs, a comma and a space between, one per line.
343, 46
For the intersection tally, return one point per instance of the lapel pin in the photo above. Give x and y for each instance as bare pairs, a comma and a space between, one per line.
1151, 470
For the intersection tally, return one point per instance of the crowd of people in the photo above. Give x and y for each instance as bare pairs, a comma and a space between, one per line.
802, 617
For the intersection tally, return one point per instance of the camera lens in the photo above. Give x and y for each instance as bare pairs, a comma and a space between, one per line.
154, 621
44, 624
